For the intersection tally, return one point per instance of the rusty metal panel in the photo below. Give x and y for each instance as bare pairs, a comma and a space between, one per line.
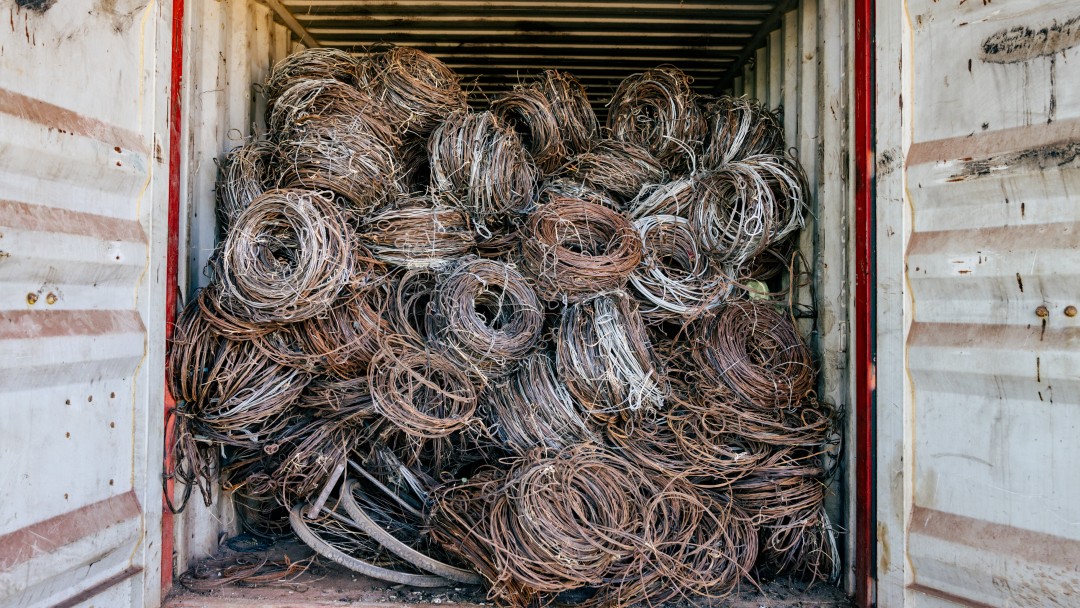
993, 265
83, 186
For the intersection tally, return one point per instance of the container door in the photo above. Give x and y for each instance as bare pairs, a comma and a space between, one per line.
83, 183
993, 268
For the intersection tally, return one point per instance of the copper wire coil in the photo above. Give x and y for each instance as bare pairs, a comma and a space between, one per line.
413, 89
310, 64
675, 281
422, 393
479, 165
657, 110
574, 248
528, 111
533, 409
287, 258
604, 356
738, 128
407, 306
485, 315
570, 107
753, 349
418, 233
246, 172
565, 187
619, 167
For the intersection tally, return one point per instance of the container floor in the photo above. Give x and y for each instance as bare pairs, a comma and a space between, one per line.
331, 585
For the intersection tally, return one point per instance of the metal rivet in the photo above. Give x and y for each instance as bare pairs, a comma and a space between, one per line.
51, 298
1042, 312
31, 298
1070, 311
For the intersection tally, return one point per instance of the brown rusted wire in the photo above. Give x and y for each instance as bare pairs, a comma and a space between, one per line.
571, 109
310, 64
574, 248
738, 128
479, 165
621, 168
532, 409
246, 172
412, 89
422, 393
244, 571
485, 315
418, 233
528, 111
657, 110
754, 350
407, 306
604, 356
287, 258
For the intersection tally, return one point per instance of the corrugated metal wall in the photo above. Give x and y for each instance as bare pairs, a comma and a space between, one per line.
83, 186
978, 469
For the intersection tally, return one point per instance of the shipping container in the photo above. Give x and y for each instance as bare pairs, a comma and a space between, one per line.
941, 139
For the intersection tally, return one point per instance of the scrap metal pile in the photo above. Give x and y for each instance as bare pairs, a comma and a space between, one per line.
510, 346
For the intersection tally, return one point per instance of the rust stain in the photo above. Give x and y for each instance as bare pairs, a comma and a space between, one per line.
1033, 160
1038, 369
995, 143
999, 539
59, 118
1020, 282
99, 588
37, 218
24, 324
44, 537
949, 597
1008, 238
1022, 43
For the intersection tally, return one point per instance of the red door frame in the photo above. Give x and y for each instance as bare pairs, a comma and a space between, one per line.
865, 305
865, 347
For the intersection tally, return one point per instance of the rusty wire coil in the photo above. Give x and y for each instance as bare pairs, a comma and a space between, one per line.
564, 520
346, 155
803, 544
418, 233
657, 110
574, 248
460, 522
246, 172
604, 356
528, 111
675, 280
310, 64
286, 259
571, 109
407, 306
746, 206
309, 455
234, 326
694, 546
319, 100
485, 315
618, 167
348, 397
565, 187
422, 393
739, 128
412, 89
479, 165
808, 424
676, 197
532, 409
756, 351
715, 459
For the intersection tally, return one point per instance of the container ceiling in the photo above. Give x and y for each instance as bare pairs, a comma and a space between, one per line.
495, 45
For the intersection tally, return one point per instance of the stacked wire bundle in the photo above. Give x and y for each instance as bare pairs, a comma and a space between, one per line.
505, 347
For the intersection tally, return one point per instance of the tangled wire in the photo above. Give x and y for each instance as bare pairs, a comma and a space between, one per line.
485, 315
245, 174
575, 248
418, 233
307, 65
528, 112
621, 168
479, 165
740, 128
413, 89
570, 108
657, 110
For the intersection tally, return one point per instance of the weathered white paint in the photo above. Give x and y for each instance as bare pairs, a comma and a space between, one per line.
776, 68
761, 69
83, 200
978, 500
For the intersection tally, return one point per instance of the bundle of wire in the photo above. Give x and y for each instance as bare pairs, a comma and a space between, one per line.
246, 172
528, 111
739, 128
485, 315
413, 89
618, 167
570, 108
479, 165
575, 248
657, 110
418, 233
307, 65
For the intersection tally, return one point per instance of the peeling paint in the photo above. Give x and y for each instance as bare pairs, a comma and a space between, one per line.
1022, 43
